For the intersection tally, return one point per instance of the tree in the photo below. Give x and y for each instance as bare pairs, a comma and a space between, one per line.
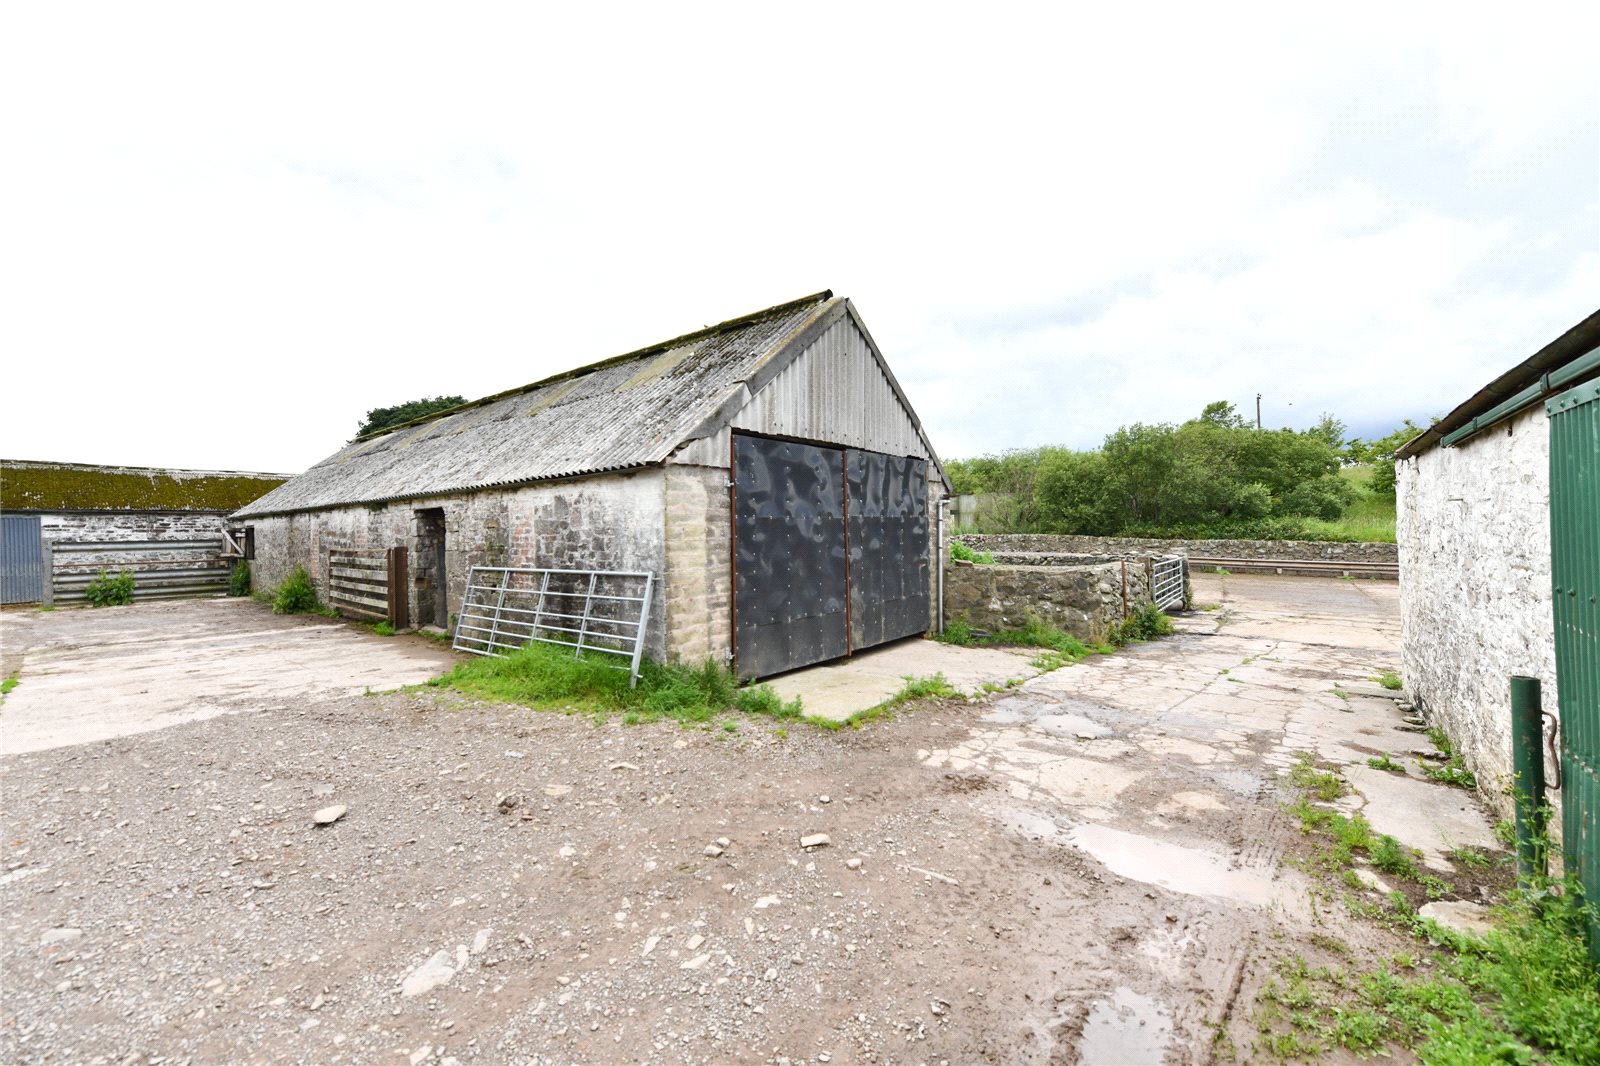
384, 417
1380, 454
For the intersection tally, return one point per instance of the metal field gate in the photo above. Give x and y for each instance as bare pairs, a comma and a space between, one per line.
1575, 580
22, 575
830, 549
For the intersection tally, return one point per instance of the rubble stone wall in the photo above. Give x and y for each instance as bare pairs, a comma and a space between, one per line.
1085, 601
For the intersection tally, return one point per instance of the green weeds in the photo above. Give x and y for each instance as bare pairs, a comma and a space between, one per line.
1525, 992
297, 595
1390, 680
9, 682
108, 591
1452, 771
1325, 784
382, 629
239, 579
961, 552
1383, 762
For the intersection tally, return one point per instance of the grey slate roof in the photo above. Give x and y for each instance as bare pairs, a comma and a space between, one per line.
625, 412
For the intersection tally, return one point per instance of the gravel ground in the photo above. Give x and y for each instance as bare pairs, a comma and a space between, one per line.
1095, 866
170, 895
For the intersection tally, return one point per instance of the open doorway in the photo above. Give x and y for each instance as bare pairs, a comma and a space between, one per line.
433, 602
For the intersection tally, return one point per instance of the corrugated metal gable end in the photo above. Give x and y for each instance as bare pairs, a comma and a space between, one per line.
620, 414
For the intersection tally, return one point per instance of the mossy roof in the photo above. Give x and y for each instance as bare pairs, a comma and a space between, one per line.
44, 486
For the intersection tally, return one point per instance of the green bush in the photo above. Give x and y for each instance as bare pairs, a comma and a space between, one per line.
960, 551
239, 579
108, 591
297, 595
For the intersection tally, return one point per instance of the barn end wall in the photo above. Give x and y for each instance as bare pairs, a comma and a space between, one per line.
1473, 524
611, 522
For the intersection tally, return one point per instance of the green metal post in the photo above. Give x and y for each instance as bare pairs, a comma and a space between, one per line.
1527, 760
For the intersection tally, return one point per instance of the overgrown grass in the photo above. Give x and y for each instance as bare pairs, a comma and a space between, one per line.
1057, 647
548, 677
382, 629
1369, 517
1526, 992
9, 682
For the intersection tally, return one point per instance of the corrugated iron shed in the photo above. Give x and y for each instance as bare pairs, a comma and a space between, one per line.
622, 413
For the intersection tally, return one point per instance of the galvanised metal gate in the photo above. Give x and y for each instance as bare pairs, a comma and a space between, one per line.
21, 559
1166, 581
1575, 579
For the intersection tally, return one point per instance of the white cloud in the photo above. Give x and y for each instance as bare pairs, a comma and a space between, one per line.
229, 234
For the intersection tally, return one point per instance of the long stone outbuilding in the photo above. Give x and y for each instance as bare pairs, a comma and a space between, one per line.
768, 472
1498, 524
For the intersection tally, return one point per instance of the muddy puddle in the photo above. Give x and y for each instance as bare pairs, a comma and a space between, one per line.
1126, 1027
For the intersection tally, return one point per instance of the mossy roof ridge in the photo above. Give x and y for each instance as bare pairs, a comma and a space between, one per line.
46, 486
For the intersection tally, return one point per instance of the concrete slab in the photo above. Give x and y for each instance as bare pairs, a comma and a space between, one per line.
839, 690
92, 674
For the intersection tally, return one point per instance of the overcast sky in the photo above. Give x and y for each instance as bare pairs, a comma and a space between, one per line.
229, 230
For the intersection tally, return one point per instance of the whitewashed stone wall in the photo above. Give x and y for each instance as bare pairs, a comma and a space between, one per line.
612, 522
1473, 524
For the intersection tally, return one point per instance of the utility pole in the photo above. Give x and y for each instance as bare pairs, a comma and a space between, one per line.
1258, 410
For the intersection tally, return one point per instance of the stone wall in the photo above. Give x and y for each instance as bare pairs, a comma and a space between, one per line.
1085, 601
1218, 549
1474, 528
170, 553
612, 522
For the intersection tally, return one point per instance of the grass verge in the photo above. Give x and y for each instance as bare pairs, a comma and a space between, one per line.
1056, 647
549, 678
1525, 992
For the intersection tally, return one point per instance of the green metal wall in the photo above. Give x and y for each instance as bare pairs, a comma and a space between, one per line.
1575, 577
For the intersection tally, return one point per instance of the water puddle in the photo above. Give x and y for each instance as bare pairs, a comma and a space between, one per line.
1128, 1027
1172, 866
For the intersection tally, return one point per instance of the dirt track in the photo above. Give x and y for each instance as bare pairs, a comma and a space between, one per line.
1087, 869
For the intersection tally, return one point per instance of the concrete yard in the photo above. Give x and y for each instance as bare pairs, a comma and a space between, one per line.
98, 674
839, 690
1094, 866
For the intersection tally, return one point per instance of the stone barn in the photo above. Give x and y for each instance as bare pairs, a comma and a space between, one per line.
768, 473
64, 522
1499, 529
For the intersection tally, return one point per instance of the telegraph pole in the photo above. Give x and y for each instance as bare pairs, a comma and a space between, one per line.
1258, 410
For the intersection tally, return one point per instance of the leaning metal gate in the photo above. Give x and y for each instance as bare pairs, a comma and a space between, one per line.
597, 611
830, 552
1575, 585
